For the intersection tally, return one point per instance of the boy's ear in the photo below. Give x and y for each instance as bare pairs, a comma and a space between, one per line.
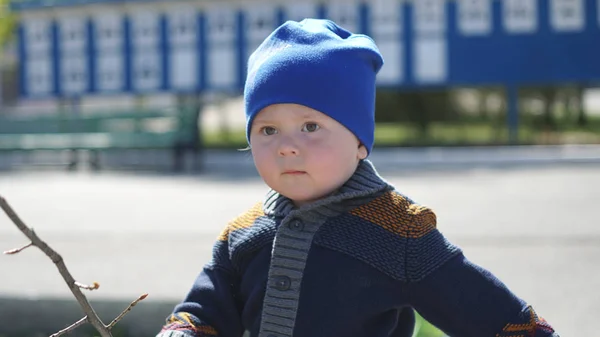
362, 151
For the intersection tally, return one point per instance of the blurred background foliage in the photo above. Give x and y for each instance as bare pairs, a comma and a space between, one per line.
466, 116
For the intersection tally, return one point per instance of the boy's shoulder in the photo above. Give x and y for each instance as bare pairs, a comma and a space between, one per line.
242, 221
398, 214
393, 234
247, 233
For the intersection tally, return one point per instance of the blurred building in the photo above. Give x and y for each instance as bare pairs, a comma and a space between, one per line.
156, 52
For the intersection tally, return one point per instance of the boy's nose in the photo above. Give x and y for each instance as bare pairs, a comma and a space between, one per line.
288, 148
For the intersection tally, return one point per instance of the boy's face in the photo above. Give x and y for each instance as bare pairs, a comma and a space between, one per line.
302, 153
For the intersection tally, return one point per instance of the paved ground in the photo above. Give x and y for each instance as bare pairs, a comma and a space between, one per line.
536, 227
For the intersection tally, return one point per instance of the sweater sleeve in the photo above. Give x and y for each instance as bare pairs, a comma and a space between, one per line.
210, 308
459, 297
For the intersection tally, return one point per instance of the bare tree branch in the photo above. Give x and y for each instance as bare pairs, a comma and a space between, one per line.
131, 305
58, 261
75, 287
71, 327
16, 250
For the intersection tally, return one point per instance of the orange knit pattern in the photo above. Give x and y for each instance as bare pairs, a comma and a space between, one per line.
527, 329
182, 321
396, 214
243, 221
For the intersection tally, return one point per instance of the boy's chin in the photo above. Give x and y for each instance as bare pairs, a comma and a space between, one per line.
302, 199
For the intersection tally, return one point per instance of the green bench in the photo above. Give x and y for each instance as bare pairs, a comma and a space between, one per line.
175, 130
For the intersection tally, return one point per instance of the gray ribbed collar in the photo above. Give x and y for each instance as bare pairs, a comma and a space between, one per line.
365, 181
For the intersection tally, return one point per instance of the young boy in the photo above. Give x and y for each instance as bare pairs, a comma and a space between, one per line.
334, 250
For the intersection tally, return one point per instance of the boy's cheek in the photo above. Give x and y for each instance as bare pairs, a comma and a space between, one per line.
261, 155
259, 146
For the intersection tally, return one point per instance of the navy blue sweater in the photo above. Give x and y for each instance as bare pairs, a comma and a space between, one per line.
355, 264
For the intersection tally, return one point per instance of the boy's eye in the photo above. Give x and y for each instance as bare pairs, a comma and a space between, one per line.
310, 127
268, 130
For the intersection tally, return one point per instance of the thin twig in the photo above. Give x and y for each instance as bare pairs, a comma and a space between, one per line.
94, 286
16, 250
71, 327
92, 317
131, 305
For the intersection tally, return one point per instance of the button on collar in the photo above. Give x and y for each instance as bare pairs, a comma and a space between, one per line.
282, 283
296, 225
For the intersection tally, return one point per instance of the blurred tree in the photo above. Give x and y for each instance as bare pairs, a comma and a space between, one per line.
419, 108
578, 106
550, 95
7, 24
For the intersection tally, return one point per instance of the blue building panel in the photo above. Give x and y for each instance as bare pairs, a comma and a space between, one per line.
441, 48
22, 55
546, 56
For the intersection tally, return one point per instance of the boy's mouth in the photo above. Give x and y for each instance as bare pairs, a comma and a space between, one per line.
293, 172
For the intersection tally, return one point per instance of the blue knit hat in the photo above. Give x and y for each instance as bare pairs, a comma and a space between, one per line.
320, 65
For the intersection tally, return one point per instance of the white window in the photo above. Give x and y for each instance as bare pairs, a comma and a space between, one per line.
392, 71
299, 10
146, 71
73, 34
429, 16
109, 73
385, 19
222, 69
260, 21
74, 76
184, 69
183, 26
567, 15
475, 17
108, 31
431, 57
37, 35
221, 24
520, 16
345, 14
39, 76
145, 29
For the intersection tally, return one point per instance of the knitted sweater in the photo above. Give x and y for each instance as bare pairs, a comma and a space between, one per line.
354, 264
